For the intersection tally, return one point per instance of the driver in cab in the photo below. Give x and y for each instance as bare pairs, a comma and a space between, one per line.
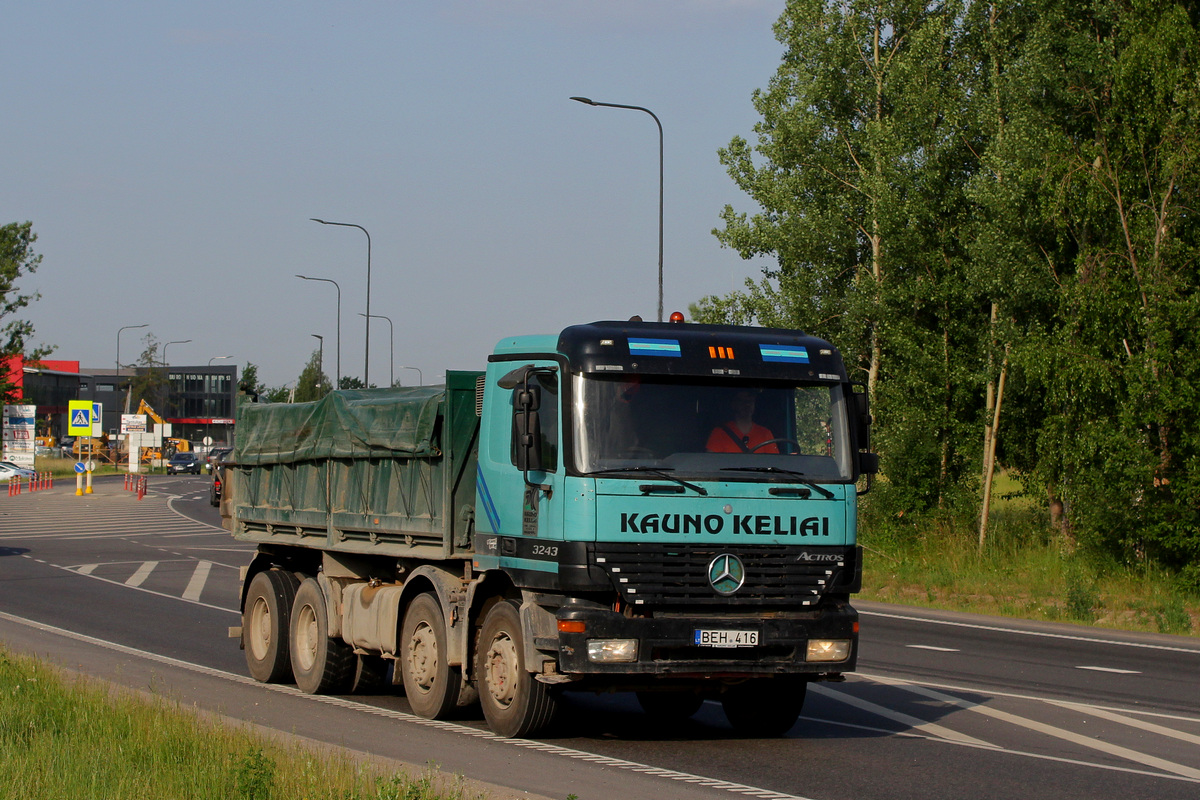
742, 434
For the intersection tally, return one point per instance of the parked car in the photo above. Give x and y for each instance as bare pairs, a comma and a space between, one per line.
183, 462
24, 472
66, 447
8, 471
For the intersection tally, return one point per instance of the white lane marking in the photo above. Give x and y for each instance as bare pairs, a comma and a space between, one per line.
138, 588
1140, 724
86, 569
1050, 730
199, 578
143, 572
1113, 670
1020, 632
930, 728
949, 687
931, 647
452, 727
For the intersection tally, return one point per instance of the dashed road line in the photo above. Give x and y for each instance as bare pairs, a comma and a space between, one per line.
1051, 730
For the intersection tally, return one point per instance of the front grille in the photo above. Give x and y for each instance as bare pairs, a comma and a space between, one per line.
662, 575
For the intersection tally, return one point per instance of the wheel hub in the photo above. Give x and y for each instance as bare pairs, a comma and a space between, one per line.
423, 657
501, 670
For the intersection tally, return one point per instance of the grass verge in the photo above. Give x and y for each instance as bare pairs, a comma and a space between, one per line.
63, 737
1026, 570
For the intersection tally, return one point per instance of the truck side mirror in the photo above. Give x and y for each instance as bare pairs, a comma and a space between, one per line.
868, 462
527, 429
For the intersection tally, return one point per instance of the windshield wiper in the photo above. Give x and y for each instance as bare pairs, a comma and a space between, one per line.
800, 477
658, 472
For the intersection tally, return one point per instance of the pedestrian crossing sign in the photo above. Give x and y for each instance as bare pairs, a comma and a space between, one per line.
79, 418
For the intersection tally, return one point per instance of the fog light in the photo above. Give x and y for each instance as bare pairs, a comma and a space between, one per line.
608, 651
828, 650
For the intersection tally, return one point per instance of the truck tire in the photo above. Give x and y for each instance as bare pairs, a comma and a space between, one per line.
430, 683
321, 665
514, 702
765, 706
670, 706
265, 623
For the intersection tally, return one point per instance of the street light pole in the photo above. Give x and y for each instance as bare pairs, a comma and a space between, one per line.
320, 358
392, 337
420, 375
337, 385
217, 358
118, 381
590, 102
367, 340
166, 409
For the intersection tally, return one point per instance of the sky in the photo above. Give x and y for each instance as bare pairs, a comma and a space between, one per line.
171, 155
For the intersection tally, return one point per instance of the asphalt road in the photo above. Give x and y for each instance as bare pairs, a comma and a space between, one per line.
943, 706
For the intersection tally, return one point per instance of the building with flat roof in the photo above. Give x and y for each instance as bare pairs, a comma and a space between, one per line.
198, 401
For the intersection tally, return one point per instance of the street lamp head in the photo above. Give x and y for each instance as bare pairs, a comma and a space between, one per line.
586, 100
314, 219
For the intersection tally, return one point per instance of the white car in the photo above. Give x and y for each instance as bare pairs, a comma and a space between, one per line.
9, 470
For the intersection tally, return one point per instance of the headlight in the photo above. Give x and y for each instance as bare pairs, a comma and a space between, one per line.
828, 650
608, 651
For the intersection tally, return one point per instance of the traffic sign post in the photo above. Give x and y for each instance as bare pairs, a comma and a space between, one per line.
79, 423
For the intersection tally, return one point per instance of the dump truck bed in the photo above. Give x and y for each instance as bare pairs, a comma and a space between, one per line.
388, 472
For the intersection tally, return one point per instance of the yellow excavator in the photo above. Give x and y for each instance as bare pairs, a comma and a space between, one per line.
150, 454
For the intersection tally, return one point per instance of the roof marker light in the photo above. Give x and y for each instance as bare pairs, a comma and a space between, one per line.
677, 316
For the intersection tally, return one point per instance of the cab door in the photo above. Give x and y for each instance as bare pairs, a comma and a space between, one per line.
519, 516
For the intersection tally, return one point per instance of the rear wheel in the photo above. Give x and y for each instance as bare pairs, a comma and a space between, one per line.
265, 623
514, 702
430, 683
765, 706
320, 664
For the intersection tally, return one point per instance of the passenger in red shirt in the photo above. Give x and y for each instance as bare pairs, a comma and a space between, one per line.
741, 434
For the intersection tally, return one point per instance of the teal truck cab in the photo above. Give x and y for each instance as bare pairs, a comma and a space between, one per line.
662, 508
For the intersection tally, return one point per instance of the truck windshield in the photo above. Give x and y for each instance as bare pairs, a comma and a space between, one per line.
711, 429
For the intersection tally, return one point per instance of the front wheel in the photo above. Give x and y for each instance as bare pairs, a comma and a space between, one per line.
321, 665
514, 703
764, 706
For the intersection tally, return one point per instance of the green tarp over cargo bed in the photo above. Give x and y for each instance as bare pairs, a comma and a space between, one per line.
358, 423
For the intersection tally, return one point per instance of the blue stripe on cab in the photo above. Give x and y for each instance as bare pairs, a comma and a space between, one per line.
655, 347
783, 353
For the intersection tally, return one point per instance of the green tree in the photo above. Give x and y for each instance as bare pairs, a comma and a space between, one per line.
150, 381
1122, 171
312, 384
860, 171
17, 260
250, 384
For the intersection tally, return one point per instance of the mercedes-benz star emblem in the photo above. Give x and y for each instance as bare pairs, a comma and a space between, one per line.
726, 573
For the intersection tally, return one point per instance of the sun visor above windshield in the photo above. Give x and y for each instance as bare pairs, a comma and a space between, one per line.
699, 350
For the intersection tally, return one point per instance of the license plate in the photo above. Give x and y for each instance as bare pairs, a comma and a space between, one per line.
711, 638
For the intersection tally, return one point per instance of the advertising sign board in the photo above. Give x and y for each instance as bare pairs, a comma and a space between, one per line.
19, 443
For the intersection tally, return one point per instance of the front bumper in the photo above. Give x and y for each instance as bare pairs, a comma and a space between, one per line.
667, 644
